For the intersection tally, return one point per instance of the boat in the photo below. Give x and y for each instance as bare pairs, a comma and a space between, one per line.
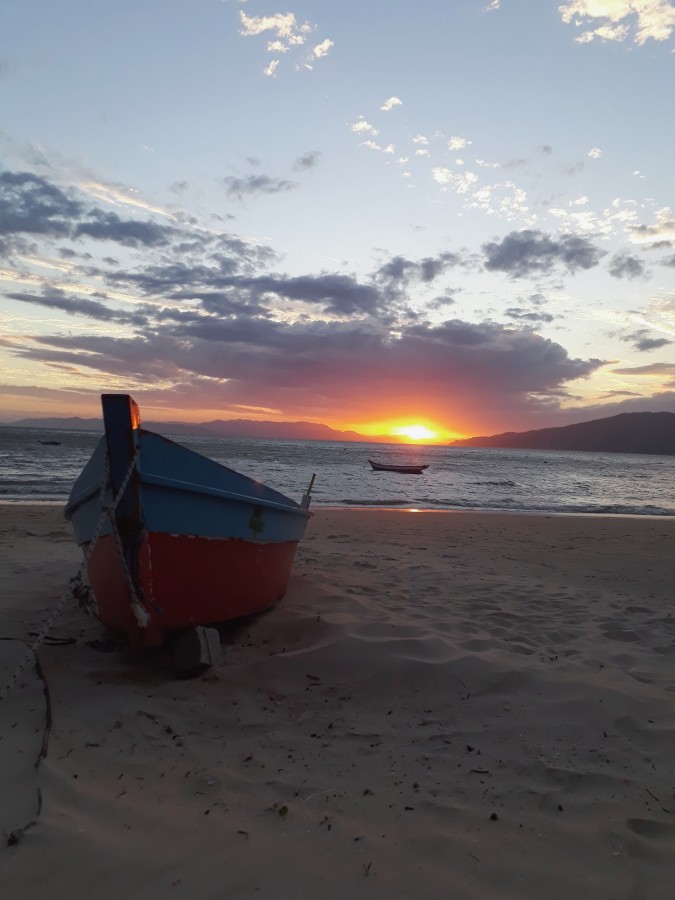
402, 470
173, 540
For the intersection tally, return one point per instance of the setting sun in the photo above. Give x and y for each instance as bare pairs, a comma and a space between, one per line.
415, 432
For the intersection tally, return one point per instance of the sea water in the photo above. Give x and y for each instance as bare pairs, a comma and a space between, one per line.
458, 478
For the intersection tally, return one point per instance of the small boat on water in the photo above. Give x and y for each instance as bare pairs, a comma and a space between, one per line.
174, 540
403, 470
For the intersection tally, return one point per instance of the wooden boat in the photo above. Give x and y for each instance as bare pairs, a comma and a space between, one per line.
175, 540
403, 470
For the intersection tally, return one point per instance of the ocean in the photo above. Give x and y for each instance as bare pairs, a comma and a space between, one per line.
33, 469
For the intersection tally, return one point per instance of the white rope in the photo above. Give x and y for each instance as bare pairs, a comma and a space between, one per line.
106, 511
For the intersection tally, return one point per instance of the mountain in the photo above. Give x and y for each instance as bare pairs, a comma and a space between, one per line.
643, 432
236, 428
306, 431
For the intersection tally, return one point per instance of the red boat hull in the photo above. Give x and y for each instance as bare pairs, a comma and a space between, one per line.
188, 581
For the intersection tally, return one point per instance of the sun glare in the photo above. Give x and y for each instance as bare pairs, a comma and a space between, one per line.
415, 432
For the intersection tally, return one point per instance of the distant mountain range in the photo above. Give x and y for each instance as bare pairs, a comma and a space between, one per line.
642, 432
237, 428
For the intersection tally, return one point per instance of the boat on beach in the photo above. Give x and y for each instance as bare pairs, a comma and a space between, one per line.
403, 470
172, 539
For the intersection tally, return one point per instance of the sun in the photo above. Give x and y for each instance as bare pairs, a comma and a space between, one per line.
415, 432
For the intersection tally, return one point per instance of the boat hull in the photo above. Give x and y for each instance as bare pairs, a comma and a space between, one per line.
402, 470
188, 581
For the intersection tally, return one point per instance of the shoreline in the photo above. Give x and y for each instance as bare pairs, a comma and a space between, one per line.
472, 706
415, 509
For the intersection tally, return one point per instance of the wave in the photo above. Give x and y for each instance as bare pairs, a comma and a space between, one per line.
505, 504
495, 483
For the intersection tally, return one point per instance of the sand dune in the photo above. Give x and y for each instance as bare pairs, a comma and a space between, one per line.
444, 705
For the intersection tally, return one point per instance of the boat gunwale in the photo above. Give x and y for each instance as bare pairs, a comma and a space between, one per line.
162, 481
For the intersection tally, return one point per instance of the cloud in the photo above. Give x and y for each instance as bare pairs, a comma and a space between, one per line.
339, 294
284, 25
250, 185
651, 369
288, 35
595, 153
308, 160
526, 315
662, 229
363, 127
216, 325
53, 298
389, 104
642, 343
399, 271
460, 182
322, 49
503, 199
452, 371
655, 19
526, 253
457, 143
131, 233
623, 265
33, 205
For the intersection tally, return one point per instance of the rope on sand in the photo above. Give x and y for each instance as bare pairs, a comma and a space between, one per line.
76, 588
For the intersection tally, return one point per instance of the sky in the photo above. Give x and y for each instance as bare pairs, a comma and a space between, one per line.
439, 219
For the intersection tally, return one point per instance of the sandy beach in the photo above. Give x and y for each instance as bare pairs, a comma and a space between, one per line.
445, 705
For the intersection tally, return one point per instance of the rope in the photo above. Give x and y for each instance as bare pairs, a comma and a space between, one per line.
75, 581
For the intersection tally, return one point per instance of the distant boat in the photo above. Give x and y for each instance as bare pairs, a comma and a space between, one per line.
50, 443
403, 470
176, 539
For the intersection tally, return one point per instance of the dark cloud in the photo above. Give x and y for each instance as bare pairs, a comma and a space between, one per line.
623, 265
250, 185
545, 149
399, 271
443, 300
129, 232
642, 342
525, 253
651, 369
517, 312
53, 298
652, 343
450, 372
202, 263
307, 161
30, 204
341, 294
670, 261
